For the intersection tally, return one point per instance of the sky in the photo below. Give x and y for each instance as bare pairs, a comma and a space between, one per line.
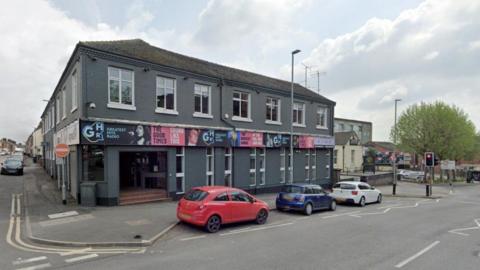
368, 53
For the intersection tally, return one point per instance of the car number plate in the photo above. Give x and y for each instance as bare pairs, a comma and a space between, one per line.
185, 215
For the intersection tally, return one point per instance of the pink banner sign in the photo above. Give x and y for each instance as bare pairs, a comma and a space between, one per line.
167, 136
250, 139
306, 142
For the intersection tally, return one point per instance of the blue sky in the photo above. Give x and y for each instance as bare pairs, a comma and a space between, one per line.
372, 51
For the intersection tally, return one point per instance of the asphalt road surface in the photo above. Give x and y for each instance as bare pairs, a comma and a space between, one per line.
400, 233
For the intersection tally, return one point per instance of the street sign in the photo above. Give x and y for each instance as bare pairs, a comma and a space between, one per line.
61, 150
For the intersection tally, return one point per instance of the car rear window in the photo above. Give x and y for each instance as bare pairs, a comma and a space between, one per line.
344, 186
195, 195
292, 189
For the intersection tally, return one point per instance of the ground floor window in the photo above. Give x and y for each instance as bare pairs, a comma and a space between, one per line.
180, 170
261, 175
93, 162
253, 167
313, 164
210, 166
144, 170
282, 166
290, 176
307, 165
228, 167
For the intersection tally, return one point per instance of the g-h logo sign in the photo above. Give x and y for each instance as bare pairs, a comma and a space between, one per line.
93, 132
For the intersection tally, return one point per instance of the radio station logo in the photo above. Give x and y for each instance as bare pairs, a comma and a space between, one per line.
94, 132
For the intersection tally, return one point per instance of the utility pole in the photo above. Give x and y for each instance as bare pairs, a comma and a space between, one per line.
318, 74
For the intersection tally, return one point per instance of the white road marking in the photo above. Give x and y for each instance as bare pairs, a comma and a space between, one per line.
193, 238
81, 258
258, 229
19, 211
12, 211
339, 215
73, 252
460, 231
418, 254
36, 267
64, 214
35, 259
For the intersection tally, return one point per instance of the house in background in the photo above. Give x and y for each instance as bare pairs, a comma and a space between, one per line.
363, 129
384, 156
348, 153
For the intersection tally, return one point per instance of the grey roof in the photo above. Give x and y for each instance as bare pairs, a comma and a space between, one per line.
387, 145
342, 138
139, 49
352, 120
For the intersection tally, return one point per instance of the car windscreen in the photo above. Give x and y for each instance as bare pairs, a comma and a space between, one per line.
195, 195
292, 189
12, 162
344, 186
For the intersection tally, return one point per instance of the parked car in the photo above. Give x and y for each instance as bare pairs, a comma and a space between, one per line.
408, 174
473, 175
19, 157
305, 198
213, 206
355, 192
12, 166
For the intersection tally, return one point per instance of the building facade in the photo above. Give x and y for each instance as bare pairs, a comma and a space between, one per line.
362, 128
7, 145
140, 118
348, 153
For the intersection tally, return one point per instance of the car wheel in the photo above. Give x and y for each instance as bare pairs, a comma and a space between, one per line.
362, 202
261, 216
333, 205
379, 199
308, 209
213, 224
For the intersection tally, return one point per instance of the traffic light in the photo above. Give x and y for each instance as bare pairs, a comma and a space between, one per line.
429, 159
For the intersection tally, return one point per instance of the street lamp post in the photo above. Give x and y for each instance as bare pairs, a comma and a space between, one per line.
291, 119
394, 188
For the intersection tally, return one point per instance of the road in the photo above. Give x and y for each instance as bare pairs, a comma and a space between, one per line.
403, 233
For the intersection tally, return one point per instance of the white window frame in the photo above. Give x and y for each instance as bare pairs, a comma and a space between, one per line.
289, 160
182, 174
277, 107
249, 111
253, 154
64, 103
75, 91
262, 170
296, 108
212, 172
164, 109
283, 159
201, 88
313, 164
325, 115
307, 165
120, 105
228, 156
57, 108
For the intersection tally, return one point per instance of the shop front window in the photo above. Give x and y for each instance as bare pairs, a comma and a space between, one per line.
93, 162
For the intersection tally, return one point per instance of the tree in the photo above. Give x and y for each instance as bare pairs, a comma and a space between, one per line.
438, 127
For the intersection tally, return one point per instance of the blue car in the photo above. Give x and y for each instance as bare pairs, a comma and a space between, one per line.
305, 198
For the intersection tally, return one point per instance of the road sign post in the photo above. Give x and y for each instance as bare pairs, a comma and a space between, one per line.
61, 151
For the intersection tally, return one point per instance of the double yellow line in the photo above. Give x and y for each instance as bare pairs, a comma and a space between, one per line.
14, 239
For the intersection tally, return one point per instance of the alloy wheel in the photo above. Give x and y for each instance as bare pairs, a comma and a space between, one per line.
261, 216
213, 224
308, 209
362, 202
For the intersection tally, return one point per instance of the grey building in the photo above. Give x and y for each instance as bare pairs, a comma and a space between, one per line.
363, 129
145, 123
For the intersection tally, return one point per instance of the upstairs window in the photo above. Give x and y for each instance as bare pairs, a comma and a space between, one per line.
321, 117
64, 103
166, 95
120, 88
202, 100
299, 114
273, 110
57, 108
241, 106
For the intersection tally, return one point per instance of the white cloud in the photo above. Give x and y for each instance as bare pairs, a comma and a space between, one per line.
427, 53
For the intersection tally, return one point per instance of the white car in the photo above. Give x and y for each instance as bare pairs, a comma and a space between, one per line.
415, 175
356, 192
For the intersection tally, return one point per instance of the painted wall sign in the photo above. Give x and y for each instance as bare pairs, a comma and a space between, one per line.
276, 140
167, 136
324, 141
68, 135
249, 139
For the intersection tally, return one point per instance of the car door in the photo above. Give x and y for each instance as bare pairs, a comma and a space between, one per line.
323, 199
222, 204
367, 190
309, 196
242, 206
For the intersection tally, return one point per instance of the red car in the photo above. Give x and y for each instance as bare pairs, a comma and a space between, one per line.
212, 206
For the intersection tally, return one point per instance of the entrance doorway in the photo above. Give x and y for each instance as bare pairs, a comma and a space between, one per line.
143, 177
